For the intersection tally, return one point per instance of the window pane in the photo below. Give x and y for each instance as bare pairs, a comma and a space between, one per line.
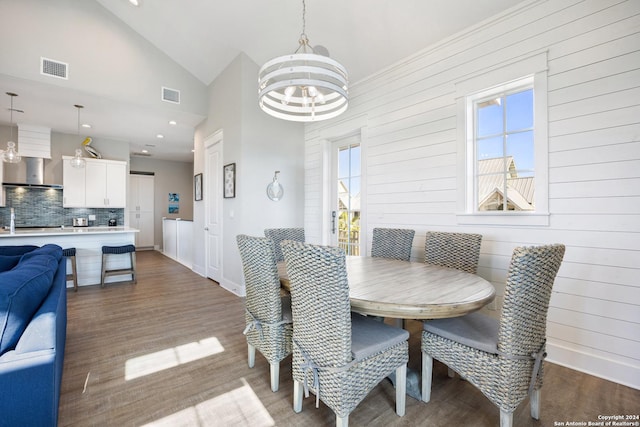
520, 110
520, 146
343, 163
355, 160
491, 190
489, 117
489, 148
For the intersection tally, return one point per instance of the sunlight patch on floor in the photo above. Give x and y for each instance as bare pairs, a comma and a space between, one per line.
171, 357
238, 407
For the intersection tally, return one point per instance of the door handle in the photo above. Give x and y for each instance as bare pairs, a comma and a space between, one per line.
206, 228
333, 222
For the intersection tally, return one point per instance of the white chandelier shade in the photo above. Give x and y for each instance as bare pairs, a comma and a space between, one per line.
303, 87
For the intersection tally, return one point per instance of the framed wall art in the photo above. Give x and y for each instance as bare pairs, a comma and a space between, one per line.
229, 180
197, 187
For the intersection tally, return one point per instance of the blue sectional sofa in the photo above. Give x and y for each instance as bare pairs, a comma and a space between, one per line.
33, 329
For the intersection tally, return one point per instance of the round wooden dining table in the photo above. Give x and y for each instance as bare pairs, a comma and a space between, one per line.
410, 290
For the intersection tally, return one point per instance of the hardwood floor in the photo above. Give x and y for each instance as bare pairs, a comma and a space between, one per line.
169, 351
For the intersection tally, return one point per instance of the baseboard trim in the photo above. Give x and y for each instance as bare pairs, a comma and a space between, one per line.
611, 370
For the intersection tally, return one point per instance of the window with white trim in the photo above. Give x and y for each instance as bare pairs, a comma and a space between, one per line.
503, 145
503, 169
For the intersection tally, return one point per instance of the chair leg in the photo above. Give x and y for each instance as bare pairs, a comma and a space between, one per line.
427, 374
251, 355
506, 419
297, 396
401, 389
134, 276
342, 421
104, 270
534, 401
74, 270
275, 375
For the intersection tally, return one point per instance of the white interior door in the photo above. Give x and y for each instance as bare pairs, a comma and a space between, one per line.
212, 193
346, 173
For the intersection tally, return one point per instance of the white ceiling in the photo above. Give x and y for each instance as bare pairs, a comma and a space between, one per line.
204, 36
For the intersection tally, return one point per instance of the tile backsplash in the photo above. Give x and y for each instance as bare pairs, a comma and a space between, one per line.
42, 207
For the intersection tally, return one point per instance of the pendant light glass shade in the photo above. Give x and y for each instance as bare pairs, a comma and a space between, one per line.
11, 155
303, 86
77, 161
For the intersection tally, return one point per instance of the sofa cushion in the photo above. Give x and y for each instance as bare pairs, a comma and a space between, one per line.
22, 291
48, 249
7, 262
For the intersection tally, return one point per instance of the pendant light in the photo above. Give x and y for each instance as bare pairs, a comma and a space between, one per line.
10, 155
304, 86
77, 161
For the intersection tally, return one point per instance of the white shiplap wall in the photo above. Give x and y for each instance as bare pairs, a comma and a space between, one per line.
407, 114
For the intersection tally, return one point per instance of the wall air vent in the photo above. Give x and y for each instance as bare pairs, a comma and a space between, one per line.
170, 95
50, 67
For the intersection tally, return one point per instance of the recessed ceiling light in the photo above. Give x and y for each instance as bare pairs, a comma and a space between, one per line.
145, 151
173, 122
86, 125
136, 3
159, 136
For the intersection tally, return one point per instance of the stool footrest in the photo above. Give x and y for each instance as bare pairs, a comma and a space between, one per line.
120, 271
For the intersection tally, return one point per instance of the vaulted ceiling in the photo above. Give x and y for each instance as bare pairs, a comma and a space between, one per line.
190, 43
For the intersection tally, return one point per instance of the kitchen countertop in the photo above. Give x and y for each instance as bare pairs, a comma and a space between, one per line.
21, 232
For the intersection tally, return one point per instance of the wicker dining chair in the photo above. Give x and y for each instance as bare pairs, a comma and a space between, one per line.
502, 358
267, 314
338, 355
394, 243
454, 250
280, 234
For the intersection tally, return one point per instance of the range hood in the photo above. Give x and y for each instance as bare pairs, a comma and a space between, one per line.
34, 144
28, 173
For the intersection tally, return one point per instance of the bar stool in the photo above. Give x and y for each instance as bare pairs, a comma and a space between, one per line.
71, 254
118, 250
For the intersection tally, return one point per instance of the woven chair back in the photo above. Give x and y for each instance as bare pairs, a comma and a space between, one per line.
261, 277
454, 250
280, 234
319, 302
523, 323
394, 243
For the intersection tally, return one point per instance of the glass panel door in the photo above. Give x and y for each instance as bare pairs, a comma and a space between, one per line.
347, 183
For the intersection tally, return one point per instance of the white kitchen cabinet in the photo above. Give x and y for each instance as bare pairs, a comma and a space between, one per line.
100, 184
73, 185
141, 208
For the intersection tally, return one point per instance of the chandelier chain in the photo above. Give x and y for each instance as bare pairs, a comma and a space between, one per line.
304, 20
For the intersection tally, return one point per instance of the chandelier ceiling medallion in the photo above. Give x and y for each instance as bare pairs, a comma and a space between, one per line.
304, 86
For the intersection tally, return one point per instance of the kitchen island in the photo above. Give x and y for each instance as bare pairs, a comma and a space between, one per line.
88, 242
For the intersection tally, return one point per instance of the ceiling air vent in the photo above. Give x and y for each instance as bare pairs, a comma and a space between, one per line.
171, 95
52, 68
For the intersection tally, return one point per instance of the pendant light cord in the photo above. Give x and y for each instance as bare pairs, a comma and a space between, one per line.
11, 96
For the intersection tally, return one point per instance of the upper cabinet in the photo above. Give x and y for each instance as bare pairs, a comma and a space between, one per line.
73, 185
100, 184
